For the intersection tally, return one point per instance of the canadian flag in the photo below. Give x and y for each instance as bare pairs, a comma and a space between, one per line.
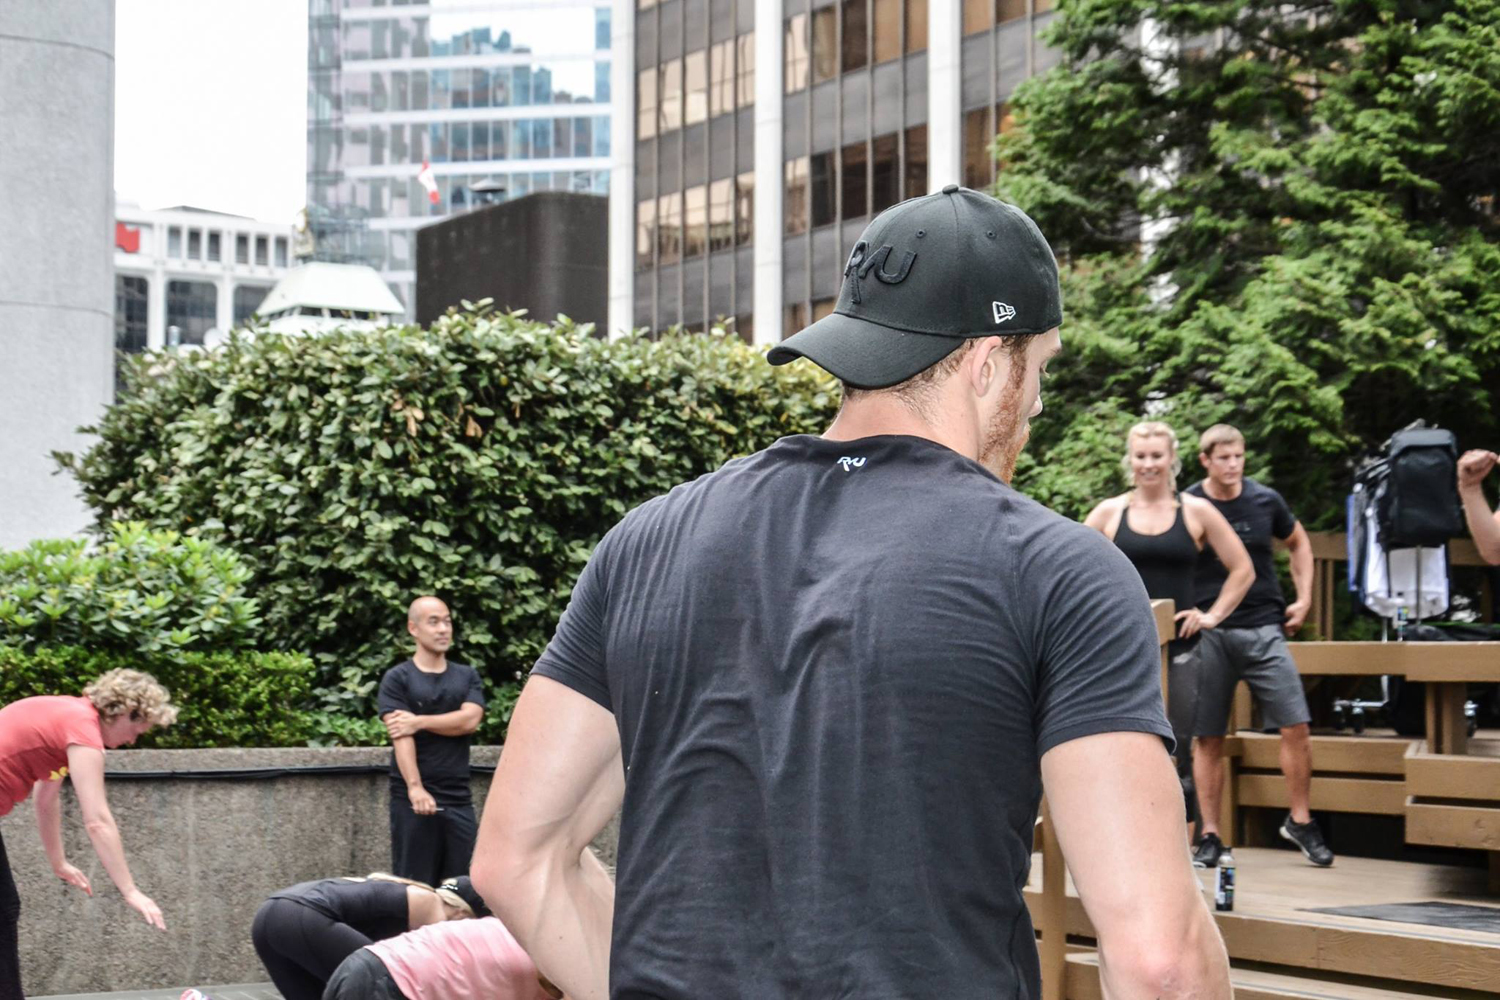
425, 178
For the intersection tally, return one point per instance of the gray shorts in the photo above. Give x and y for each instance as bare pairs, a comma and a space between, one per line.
1259, 657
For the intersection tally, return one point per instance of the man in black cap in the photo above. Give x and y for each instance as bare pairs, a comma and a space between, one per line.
830, 681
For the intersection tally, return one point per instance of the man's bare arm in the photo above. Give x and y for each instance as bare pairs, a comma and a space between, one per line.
559, 781
460, 722
1299, 548
1156, 937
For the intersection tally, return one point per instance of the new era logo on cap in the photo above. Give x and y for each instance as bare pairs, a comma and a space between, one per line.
1002, 312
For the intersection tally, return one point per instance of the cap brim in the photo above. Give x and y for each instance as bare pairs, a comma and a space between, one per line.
862, 354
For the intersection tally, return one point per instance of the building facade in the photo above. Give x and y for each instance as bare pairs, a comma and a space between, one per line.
511, 95
769, 132
192, 270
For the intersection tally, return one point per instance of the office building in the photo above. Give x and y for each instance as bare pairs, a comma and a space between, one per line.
413, 105
769, 132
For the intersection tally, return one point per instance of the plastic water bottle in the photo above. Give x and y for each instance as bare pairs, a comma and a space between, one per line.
1224, 883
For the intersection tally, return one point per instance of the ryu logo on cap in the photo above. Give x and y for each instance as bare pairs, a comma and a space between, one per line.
862, 262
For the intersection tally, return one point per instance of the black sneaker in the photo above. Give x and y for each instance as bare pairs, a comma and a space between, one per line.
1208, 851
1309, 838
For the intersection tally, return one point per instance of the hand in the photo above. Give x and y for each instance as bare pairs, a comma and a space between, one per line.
142, 904
1295, 613
401, 723
1192, 621
73, 876
422, 802
1474, 466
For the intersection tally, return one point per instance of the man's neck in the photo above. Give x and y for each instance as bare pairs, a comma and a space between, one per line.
883, 414
429, 662
1219, 491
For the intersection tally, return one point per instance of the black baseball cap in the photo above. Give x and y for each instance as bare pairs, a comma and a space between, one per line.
464, 889
925, 276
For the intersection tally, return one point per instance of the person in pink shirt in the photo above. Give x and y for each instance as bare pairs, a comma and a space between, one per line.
48, 738
457, 960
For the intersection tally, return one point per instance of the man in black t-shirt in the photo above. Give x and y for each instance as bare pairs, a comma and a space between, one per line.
830, 681
1250, 645
430, 707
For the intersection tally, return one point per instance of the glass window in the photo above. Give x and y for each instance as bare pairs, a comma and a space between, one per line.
583, 136
825, 44
601, 137
195, 244
645, 233
645, 99
671, 95
541, 139
479, 141
856, 34
744, 208
669, 227
1009, 10
721, 79
500, 87
821, 182
977, 16
215, 247
744, 70
192, 307
459, 139
695, 215
721, 214
796, 196
247, 299
281, 251
241, 249
916, 25
856, 184
131, 304
460, 84
823, 307
885, 186
796, 319
562, 136
695, 87
795, 54
915, 168
520, 140
174, 242
887, 18
978, 163
262, 252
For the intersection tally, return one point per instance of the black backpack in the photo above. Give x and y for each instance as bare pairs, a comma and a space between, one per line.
1415, 488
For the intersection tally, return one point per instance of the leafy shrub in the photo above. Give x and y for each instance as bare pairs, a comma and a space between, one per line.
479, 460
141, 591
243, 699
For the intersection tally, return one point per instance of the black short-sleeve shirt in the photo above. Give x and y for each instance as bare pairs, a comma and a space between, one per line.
442, 761
1258, 515
835, 667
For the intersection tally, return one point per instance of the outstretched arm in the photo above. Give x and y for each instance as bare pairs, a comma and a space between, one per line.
1484, 526
1134, 877
49, 827
559, 781
86, 769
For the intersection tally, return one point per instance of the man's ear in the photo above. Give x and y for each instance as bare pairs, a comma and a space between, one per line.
1203, 458
986, 362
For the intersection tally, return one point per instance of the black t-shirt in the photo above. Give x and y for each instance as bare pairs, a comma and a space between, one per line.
1257, 515
835, 667
376, 908
443, 761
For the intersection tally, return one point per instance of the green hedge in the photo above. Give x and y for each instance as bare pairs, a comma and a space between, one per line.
226, 699
480, 459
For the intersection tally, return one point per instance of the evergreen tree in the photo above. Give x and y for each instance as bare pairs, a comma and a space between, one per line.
1280, 215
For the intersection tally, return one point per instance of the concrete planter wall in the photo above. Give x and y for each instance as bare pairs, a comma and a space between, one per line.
208, 850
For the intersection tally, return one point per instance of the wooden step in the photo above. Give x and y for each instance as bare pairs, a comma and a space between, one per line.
1262, 983
1273, 921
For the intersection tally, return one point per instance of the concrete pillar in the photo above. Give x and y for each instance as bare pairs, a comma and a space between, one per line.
769, 172
156, 301
945, 163
56, 253
621, 167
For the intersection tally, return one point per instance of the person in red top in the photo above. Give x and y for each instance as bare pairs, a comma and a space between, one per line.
48, 738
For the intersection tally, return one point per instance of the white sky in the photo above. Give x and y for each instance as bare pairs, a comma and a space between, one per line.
211, 105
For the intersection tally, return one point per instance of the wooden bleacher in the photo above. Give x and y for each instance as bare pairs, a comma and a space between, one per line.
1446, 787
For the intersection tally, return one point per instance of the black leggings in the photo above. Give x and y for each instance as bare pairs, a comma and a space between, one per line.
10, 932
363, 976
301, 947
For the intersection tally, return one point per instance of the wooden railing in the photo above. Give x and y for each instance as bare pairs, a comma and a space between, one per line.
1330, 549
1051, 914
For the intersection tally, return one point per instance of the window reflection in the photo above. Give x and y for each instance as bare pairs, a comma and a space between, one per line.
821, 189
887, 18
916, 25
856, 186
915, 168
247, 299
795, 208
721, 214
695, 221
979, 163
885, 185
671, 95
132, 295
645, 95
721, 78
1009, 10
745, 69
795, 54
825, 45
192, 307
695, 87
669, 227
856, 35
744, 208
977, 14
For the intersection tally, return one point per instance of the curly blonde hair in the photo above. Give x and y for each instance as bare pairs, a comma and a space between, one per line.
132, 693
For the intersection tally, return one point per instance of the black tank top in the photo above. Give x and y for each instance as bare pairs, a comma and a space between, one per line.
376, 908
1166, 563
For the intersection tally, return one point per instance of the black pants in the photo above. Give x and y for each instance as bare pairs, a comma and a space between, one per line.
431, 848
363, 976
301, 947
10, 932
